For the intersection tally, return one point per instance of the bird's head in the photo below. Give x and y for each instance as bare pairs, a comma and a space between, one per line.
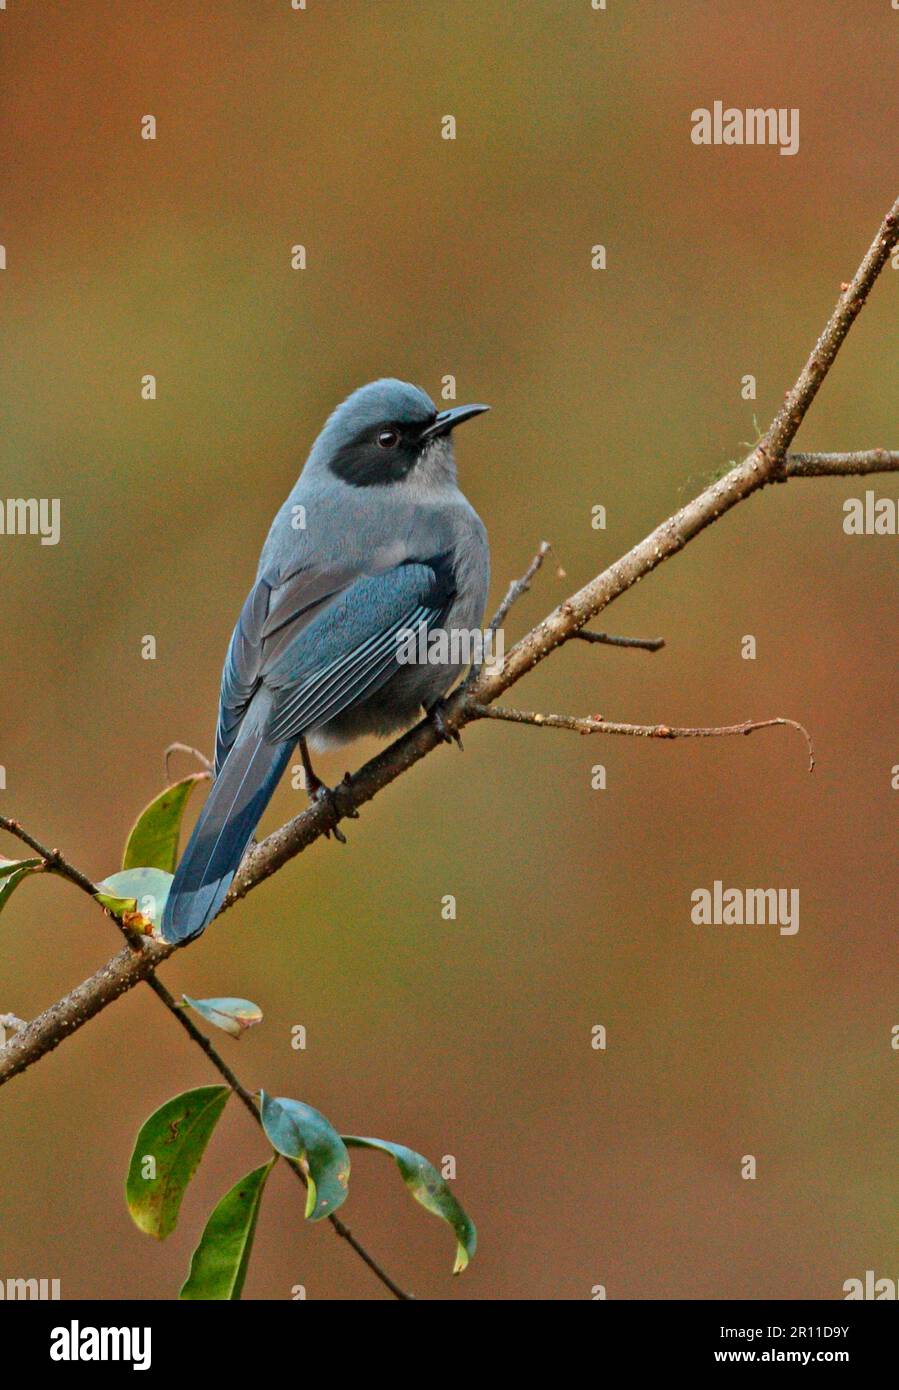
387, 432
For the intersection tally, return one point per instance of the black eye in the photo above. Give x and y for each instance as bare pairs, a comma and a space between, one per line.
389, 438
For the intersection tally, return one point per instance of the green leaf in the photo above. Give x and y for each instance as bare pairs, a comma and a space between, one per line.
303, 1134
117, 905
175, 1136
12, 871
218, 1266
11, 866
431, 1190
234, 1016
136, 890
153, 841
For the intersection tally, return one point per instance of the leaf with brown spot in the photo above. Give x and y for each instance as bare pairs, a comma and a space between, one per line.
175, 1137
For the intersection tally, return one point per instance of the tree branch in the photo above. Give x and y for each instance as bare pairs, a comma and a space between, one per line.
767, 462
596, 724
519, 587
842, 465
194, 753
53, 860
646, 644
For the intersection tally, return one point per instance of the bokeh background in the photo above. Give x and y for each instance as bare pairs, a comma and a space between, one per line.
619, 388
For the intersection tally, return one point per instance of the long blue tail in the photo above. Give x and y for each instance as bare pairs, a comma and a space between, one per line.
232, 811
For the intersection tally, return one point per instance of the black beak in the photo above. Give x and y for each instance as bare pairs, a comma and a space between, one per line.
448, 419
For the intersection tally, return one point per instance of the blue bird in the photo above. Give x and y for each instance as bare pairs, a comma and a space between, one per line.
375, 541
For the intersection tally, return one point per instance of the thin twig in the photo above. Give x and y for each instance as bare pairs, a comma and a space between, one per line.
249, 1102
55, 861
596, 724
519, 587
516, 590
842, 465
9, 1024
645, 644
194, 752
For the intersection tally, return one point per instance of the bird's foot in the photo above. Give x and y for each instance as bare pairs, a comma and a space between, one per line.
330, 798
436, 714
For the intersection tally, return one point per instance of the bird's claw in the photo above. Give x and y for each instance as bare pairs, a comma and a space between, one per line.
329, 797
325, 797
441, 728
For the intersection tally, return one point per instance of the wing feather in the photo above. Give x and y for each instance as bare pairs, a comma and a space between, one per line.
321, 640
352, 647
276, 611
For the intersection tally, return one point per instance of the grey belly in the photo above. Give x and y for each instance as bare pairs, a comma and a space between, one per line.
397, 705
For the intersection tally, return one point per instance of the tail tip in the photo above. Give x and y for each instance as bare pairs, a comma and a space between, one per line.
188, 914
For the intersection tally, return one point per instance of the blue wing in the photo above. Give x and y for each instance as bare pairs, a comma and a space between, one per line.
309, 648
350, 648
277, 609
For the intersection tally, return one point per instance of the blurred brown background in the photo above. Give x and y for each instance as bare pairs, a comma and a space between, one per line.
621, 388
